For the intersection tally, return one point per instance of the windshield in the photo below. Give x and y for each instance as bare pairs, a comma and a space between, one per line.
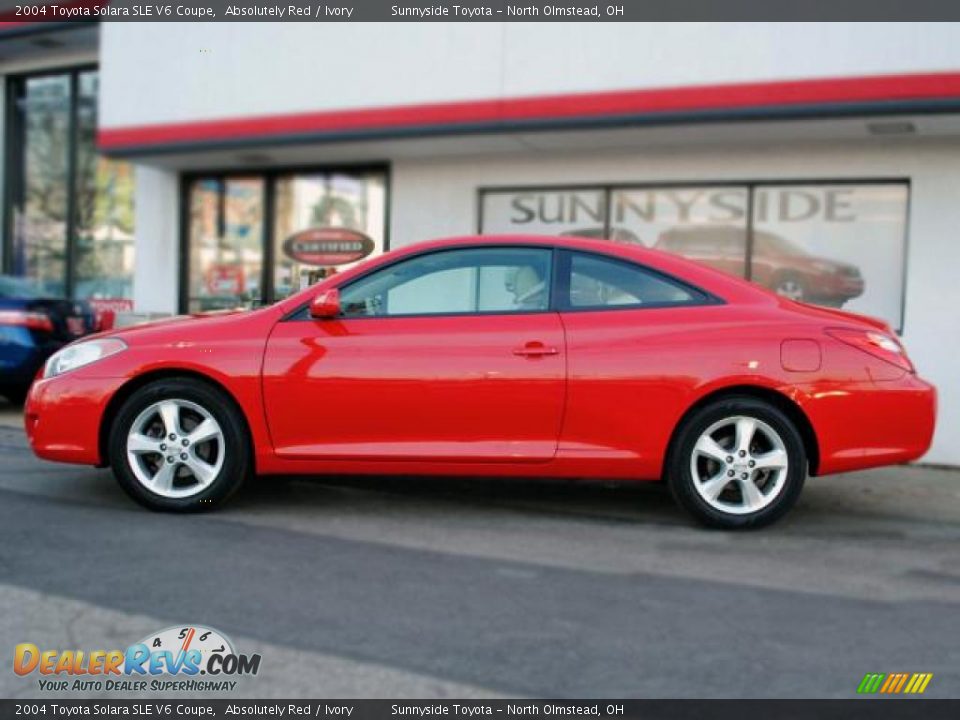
17, 287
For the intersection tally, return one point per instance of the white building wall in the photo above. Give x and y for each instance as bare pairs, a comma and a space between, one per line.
439, 198
156, 277
182, 72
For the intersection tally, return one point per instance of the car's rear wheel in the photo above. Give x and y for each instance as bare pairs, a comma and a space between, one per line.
736, 463
179, 444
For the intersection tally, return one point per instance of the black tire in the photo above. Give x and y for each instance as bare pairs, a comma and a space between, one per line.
680, 476
237, 462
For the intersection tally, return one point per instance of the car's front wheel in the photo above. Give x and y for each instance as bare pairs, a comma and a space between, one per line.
179, 444
738, 462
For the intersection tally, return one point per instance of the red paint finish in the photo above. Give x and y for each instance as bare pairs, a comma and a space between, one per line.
491, 112
800, 355
585, 393
634, 373
62, 419
416, 388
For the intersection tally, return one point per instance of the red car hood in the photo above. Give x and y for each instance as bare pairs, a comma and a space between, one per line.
190, 323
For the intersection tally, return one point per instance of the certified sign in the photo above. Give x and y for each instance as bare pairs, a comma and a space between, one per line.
327, 246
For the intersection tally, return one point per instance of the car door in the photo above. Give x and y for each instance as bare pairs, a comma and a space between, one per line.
451, 355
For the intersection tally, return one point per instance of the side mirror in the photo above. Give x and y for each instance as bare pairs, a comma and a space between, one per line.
326, 305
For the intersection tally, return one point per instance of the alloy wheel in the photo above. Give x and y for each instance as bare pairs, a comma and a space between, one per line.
739, 465
175, 448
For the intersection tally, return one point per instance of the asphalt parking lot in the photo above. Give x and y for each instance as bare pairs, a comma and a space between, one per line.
448, 588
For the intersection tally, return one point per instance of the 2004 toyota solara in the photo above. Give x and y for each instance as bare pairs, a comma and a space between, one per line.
495, 356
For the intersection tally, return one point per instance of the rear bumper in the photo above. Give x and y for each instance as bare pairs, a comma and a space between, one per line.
62, 417
869, 424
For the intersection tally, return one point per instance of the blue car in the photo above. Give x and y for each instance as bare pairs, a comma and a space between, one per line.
33, 327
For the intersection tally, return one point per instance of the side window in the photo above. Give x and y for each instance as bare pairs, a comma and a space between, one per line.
597, 282
473, 280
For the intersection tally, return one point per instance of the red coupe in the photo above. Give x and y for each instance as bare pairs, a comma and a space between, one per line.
505, 356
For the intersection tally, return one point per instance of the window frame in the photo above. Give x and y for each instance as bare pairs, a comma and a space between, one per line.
700, 297
558, 289
302, 311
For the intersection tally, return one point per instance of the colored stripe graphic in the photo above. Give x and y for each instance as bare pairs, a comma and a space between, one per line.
780, 98
894, 683
891, 681
921, 686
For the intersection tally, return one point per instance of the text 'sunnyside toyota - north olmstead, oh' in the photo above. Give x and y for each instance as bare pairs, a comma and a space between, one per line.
496, 356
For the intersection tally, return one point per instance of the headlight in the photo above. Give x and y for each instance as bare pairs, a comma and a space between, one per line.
83, 353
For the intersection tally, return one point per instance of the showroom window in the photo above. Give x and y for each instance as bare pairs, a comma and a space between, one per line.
838, 244
70, 220
256, 237
226, 242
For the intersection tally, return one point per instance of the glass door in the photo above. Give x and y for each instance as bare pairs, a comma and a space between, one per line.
226, 241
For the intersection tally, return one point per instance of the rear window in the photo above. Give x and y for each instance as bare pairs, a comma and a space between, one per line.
599, 282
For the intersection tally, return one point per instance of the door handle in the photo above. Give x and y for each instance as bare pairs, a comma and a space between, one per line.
535, 350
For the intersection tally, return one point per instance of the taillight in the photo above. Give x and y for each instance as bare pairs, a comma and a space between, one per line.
26, 318
876, 343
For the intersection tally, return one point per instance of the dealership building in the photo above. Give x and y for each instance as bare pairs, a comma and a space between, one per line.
162, 168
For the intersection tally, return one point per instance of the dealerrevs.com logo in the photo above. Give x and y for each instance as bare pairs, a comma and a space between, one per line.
187, 658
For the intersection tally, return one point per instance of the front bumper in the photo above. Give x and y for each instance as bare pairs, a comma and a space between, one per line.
63, 415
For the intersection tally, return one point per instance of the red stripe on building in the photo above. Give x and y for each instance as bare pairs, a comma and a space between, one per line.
594, 105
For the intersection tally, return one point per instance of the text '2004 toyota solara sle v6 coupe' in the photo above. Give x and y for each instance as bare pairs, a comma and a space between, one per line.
495, 356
